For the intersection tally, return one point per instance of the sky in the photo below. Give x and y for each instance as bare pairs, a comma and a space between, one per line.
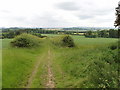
57, 13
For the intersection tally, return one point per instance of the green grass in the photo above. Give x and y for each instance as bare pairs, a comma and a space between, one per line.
5, 43
0, 63
17, 64
81, 40
76, 65
72, 67
50, 35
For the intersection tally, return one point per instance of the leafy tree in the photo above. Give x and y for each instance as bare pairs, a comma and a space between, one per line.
104, 33
113, 33
11, 34
17, 33
90, 34
117, 21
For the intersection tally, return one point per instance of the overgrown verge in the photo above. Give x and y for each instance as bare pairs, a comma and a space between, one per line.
94, 68
103, 72
25, 40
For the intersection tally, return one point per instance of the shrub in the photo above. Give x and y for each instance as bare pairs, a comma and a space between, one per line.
37, 34
65, 41
68, 41
25, 40
115, 46
103, 71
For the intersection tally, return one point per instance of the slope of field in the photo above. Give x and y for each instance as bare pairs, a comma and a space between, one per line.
17, 64
0, 63
51, 66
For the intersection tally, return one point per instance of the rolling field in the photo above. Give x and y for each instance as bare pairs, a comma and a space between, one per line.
49, 66
0, 71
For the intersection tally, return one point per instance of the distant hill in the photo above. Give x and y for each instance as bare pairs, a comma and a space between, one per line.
87, 28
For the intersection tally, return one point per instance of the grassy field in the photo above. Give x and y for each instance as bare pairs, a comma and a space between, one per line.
0, 71
17, 62
52, 66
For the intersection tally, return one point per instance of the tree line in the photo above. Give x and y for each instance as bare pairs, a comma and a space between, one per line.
7, 33
103, 33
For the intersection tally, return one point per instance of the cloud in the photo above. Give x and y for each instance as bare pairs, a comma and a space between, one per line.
84, 17
56, 13
105, 11
19, 18
47, 19
70, 6
5, 11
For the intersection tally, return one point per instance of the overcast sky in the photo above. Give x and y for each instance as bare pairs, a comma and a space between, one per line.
57, 13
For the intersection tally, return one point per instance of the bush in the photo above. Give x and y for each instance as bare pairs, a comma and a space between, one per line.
65, 41
37, 34
115, 46
68, 41
103, 71
25, 40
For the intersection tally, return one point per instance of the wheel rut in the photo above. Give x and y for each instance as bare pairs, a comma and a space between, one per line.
32, 76
46, 57
50, 78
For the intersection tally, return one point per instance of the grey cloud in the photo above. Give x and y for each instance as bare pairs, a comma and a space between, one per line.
95, 11
84, 17
19, 18
71, 6
5, 11
47, 20
101, 20
101, 11
83, 14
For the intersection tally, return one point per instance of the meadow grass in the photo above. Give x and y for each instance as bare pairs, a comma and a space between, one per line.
5, 43
72, 67
50, 35
81, 40
0, 69
77, 68
17, 64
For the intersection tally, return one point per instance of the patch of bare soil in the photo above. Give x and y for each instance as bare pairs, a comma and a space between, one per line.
50, 83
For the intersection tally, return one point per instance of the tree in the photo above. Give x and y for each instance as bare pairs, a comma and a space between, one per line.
117, 21
90, 34
113, 33
17, 33
103, 33
11, 34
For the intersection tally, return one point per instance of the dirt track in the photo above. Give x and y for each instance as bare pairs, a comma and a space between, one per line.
49, 75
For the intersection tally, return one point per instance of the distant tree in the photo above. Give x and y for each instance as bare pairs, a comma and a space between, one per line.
103, 33
90, 34
17, 33
113, 33
11, 34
